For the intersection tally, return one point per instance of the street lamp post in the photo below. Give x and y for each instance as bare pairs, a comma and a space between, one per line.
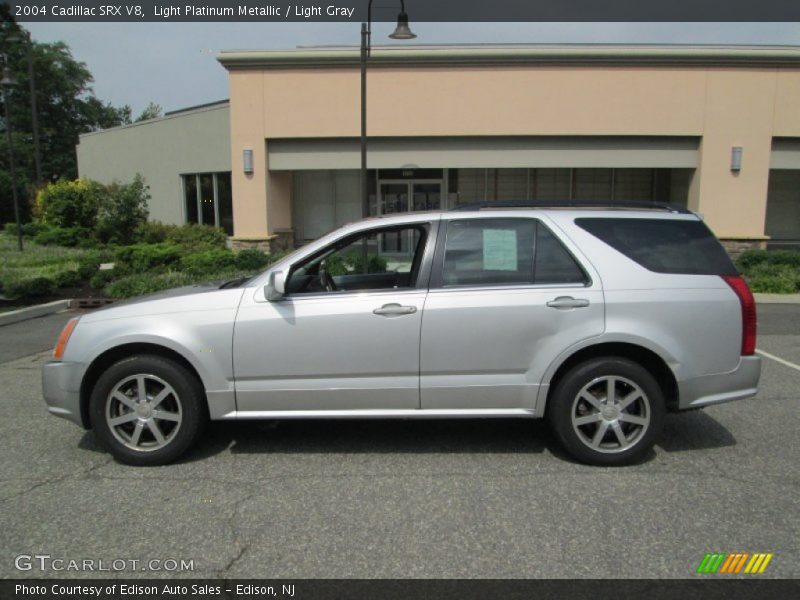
401, 32
6, 84
37, 154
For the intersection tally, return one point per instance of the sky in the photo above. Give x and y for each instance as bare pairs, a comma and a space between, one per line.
174, 65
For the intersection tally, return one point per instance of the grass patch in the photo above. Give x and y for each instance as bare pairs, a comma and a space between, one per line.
37, 270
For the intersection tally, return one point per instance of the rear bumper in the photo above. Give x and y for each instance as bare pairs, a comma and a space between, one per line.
738, 384
61, 390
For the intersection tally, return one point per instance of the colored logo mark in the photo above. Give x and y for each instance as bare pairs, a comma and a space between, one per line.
734, 563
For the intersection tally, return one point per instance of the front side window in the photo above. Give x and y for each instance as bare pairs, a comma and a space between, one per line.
381, 259
490, 252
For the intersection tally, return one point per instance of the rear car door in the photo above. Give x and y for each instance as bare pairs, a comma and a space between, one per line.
346, 334
507, 296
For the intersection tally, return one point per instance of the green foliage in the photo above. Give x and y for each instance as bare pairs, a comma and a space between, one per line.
29, 288
151, 111
194, 237
251, 259
207, 261
28, 229
771, 272
66, 107
153, 232
338, 264
101, 279
68, 278
68, 204
752, 258
773, 279
140, 258
69, 237
147, 283
122, 210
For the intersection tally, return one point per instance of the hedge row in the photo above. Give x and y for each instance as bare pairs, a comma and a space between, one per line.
771, 271
178, 255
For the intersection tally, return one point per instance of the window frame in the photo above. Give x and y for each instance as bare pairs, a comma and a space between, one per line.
437, 272
429, 231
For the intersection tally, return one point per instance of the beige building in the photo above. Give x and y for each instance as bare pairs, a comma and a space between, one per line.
714, 128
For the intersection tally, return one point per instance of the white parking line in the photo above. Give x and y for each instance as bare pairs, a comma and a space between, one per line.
791, 365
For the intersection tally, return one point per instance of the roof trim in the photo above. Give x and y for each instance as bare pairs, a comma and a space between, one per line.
493, 55
173, 114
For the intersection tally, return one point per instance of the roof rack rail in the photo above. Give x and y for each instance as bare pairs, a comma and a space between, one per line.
675, 208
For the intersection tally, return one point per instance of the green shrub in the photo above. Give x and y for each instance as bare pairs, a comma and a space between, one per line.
28, 229
251, 259
140, 258
146, 283
194, 237
773, 279
752, 258
102, 278
153, 232
69, 203
122, 210
29, 288
91, 261
68, 278
771, 272
208, 261
70, 237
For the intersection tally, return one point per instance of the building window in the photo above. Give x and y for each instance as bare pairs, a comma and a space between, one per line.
468, 186
208, 199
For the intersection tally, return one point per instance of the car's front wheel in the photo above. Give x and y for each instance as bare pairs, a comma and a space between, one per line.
147, 410
607, 411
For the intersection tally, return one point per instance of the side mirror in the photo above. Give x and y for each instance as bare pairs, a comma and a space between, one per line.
276, 286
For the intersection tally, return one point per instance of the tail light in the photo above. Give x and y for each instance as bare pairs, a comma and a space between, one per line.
739, 285
61, 344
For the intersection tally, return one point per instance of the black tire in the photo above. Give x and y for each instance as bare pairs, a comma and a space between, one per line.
579, 413
187, 401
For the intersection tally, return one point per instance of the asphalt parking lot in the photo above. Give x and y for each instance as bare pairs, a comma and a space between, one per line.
445, 499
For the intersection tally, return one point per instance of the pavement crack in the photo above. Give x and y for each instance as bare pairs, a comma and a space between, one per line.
57, 479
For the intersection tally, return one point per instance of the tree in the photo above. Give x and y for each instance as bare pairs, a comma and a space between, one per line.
66, 107
151, 111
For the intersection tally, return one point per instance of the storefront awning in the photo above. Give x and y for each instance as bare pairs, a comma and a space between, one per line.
485, 152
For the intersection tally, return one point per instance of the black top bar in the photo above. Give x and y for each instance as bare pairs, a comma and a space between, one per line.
676, 208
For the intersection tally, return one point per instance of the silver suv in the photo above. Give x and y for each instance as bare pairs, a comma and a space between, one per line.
599, 319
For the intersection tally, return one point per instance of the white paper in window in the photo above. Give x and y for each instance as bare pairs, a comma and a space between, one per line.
500, 250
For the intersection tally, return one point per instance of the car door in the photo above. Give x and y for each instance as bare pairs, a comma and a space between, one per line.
346, 334
507, 296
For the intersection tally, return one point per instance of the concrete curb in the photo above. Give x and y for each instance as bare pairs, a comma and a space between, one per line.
777, 298
31, 312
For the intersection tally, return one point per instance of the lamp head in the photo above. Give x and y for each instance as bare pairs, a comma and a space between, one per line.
402, 31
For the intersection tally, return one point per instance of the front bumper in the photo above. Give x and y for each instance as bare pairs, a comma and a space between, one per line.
738, 384
61, 384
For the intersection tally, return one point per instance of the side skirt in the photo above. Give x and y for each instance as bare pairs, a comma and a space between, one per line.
471, 413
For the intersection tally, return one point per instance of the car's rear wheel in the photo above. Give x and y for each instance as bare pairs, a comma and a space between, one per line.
607, 411
147, 410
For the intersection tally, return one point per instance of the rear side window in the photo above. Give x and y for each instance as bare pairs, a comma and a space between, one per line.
663, 245
490, 252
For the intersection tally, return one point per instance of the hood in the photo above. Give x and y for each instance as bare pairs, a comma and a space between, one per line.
199, 297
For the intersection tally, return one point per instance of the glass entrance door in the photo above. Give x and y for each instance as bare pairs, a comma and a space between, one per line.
406, 196
401, 197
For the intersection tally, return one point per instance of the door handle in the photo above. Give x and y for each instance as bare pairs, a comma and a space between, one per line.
567, 302
390, 310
